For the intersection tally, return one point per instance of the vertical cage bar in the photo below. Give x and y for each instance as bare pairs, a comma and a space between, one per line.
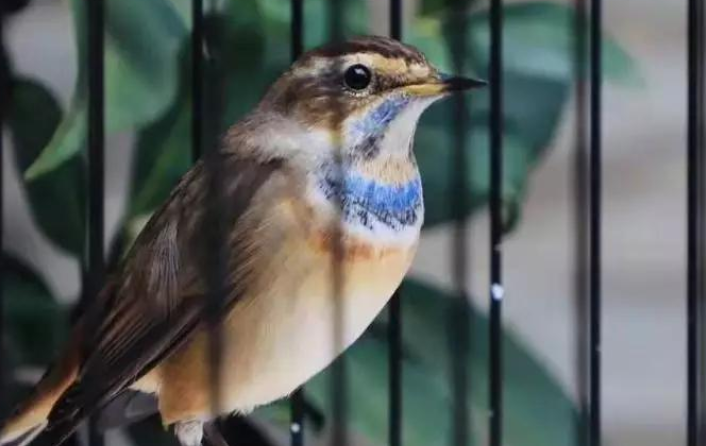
201, 107
335, 17
4, 100
395, 369
496, 223
580, 236
197, 42
395, 305
96, 163
396, 19
339, 435
297, 37
458, 336
214, 236
207, 121
297, 404
595, 208
696, 219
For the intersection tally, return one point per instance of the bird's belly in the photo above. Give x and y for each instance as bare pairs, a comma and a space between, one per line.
277, 343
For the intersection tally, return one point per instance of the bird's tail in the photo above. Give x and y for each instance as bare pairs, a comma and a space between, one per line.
30, 417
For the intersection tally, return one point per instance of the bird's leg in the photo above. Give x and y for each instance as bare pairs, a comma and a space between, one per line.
214, 436
189, 433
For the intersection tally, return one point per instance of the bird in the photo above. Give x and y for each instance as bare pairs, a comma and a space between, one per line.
303, 222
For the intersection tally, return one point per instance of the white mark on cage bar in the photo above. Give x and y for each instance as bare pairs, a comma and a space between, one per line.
295, 428
497, 291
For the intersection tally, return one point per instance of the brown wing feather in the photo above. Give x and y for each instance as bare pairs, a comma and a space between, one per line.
159, 299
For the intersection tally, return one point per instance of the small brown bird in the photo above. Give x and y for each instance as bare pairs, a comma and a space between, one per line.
321, 170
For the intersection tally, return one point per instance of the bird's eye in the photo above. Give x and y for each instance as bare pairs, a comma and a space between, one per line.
357, 77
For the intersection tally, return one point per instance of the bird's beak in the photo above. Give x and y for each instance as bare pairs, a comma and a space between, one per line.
458, 83
444, 84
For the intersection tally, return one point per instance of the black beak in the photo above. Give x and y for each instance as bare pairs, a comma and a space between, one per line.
458, 83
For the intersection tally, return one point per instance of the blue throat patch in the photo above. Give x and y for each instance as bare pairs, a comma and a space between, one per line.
377, 120
371, 127
365, 201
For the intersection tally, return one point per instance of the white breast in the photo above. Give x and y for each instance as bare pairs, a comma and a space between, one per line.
303, 325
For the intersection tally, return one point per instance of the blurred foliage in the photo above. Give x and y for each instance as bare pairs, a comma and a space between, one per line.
147, 92
536, 411
36, 322
32, 119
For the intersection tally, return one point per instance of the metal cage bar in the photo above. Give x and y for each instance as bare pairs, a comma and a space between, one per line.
339, 415
205, 134
395, 305
197, 41
298, 414
96, 163
580, 221
208, 111
696, 219
595, 219
4, 100
458, 335
496, 223
297, 30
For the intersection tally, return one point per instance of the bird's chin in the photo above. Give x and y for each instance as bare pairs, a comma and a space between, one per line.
426, 101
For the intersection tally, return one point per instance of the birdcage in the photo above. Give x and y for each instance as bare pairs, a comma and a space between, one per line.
207, 100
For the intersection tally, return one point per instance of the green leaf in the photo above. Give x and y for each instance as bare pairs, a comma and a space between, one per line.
538, 74
163, 155
251, 57
144, 38
355, 18
538, 411
183, 8
278, 413
429, 7
66, 142
36, 323
164, 147
438, 165
426, 398
56, 199
141, 74
532, 107
435, 7
538, 39
426, 37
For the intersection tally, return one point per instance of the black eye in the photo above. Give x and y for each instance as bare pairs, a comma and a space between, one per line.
357, 77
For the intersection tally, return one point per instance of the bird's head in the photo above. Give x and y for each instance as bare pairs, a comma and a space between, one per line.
364, 95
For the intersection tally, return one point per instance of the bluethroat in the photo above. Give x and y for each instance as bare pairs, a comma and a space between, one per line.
319, 181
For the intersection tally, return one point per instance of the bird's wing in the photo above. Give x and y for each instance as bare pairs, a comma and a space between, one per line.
158, 299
